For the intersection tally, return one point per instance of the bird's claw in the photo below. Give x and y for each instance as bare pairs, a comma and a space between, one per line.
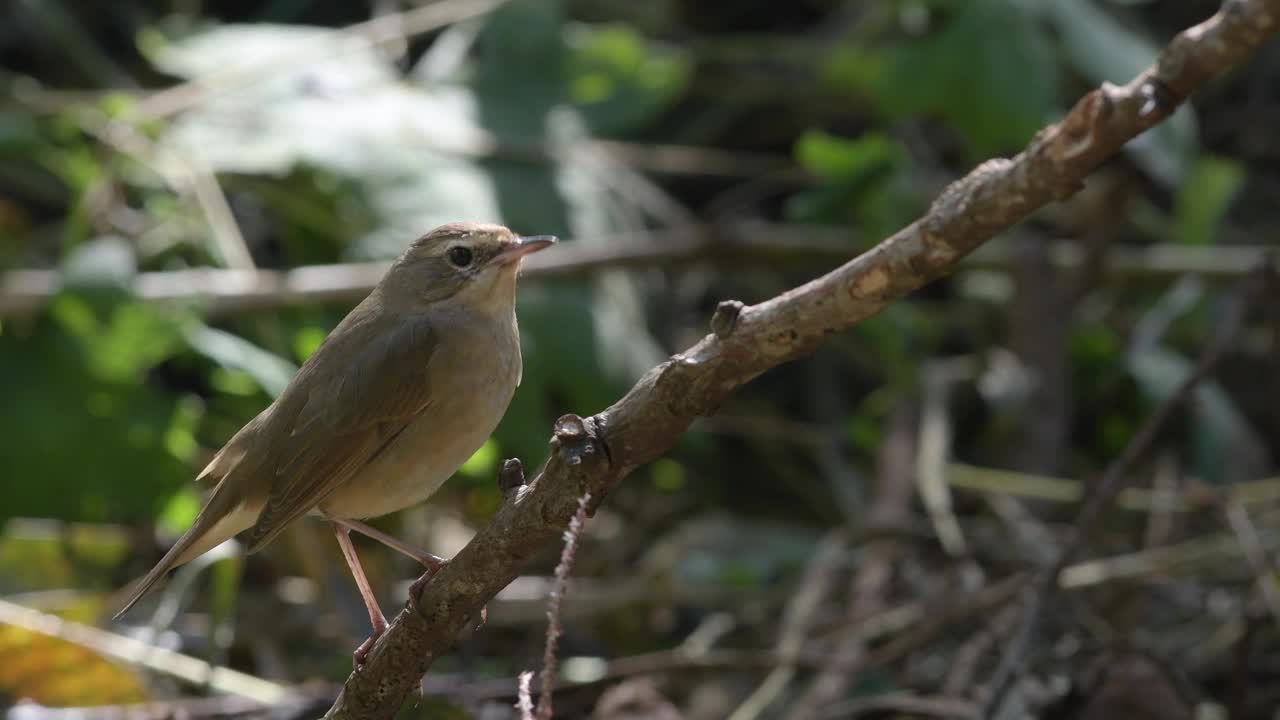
415, 589
362, 652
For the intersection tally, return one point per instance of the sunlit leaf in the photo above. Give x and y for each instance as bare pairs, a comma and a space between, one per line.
59, 673
834, 157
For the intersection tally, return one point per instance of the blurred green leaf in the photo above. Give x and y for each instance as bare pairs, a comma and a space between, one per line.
832, 157
40, 555
84, 435
1204, 198
668, 475
618, 80
483, 463
270, 371
181, 510
853, 70
180, 437
990, 72
306, 341
1222, 438
863, 182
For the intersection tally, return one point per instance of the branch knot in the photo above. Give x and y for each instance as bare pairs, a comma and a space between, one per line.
725, 318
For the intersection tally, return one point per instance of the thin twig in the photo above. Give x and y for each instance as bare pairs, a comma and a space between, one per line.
1042, 592
1000, 482
966, 661
524, 696
903, 703
927, 623
547, 683
796, 622
871, 582
1212, 550
1164, 492
935, 451
1263, 564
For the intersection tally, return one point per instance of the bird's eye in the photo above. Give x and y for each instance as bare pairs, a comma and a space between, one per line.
460, 256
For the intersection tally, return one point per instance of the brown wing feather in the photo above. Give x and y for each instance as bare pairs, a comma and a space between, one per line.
349, 407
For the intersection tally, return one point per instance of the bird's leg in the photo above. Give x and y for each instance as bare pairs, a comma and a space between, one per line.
429, 561
432, 563
376, 618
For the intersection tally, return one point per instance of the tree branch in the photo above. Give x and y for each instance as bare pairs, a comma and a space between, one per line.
591, 455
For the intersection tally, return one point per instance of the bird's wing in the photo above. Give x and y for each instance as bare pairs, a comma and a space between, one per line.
351, 402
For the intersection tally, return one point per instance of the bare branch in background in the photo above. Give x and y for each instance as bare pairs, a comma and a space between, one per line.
218, 292
1041, 594
591, 455
869, 592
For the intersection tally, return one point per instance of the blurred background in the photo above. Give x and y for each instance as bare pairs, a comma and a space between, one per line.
194, 192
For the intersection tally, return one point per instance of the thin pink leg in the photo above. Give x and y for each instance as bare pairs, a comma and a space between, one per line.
376, 619
429, 561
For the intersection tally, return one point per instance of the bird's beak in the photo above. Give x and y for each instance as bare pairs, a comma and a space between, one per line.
520, 247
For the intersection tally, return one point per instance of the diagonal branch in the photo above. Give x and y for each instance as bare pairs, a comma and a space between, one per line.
591, 455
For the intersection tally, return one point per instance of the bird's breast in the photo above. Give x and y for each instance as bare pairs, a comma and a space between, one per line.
473, 379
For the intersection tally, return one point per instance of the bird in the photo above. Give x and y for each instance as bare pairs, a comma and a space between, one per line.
393, 401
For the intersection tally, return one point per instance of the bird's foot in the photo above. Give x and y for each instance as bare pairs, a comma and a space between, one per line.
362, 652
433, 565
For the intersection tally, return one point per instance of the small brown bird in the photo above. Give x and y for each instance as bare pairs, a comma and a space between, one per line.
390, 405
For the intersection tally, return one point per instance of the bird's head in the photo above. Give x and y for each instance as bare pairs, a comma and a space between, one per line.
468, 263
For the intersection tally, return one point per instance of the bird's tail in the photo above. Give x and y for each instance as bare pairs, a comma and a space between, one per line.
215, 524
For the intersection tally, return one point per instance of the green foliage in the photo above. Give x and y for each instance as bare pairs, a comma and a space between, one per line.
85, 435
990, 72
1204, 198
862, 182
618, 80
